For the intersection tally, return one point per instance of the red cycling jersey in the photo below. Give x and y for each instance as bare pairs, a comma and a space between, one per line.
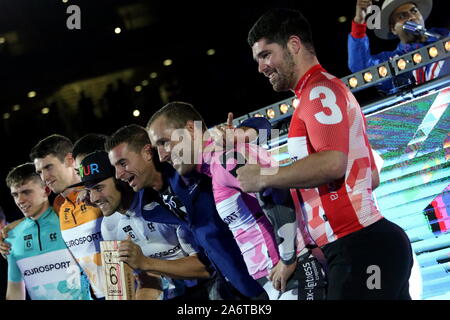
328, 117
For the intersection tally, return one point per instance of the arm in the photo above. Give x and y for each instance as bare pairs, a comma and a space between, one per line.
359, 55
149, 287
247, 132
16, 285
310, 172
328, 136
279, 208
277, 205
184, 268
15, 291
315, 170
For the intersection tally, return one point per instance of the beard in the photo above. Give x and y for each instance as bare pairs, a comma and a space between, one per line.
285, 73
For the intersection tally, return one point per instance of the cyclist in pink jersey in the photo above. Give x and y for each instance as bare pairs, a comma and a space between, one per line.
333, 172
260, 242
251, 228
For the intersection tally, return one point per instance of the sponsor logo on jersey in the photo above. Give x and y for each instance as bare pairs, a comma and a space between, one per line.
28, 241
46, 268
83, 208
175, 205
66, 216
129, 230
167, 252
86, 239
53, 236
151, 227
310, 282
230, 218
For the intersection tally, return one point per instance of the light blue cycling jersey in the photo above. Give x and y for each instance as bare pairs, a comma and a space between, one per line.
39, 256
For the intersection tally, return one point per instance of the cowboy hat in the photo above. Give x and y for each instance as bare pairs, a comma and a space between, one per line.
390, 6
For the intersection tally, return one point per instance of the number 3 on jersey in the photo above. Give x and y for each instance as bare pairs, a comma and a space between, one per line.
328, 102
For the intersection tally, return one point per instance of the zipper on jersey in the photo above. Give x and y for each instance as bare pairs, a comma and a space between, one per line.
39, 235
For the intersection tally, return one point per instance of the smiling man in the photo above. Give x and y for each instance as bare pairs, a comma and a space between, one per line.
39, 259
164, 249
131, 153
266, 237
80, 223
393, 16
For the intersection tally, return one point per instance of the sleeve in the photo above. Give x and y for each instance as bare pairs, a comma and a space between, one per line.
187, 241
276, 204
57, 203
278, 207
359, 55
109, 226
324, 112
14, 273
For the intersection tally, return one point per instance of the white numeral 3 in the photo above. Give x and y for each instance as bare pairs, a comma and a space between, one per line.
329, 102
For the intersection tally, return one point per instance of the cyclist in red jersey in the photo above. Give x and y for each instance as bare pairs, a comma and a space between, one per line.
333, 171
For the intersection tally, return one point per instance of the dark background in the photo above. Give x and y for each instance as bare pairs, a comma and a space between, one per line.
41, 54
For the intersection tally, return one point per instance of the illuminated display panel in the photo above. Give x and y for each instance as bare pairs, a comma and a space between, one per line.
412, 141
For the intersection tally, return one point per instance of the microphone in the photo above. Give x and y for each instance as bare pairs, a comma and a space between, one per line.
420, 30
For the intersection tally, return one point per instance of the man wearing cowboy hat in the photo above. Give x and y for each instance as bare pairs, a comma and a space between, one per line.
394, 14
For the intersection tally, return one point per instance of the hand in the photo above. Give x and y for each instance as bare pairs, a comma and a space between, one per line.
280, 275
361, 10
221, 133
250, 178
131, 253
226, 135
5, 247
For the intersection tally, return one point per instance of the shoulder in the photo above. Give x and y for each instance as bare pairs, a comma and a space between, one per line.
19, 229
58, 203
323, 87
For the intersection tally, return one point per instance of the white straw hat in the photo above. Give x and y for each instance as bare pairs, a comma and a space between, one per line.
390, 6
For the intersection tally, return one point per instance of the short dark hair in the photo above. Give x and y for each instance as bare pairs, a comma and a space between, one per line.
178, 113
22, 174
277, 25
56, 145
133, 134
89, 143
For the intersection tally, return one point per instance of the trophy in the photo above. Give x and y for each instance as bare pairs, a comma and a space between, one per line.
119, 276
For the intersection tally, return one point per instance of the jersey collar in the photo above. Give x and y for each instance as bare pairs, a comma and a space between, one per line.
43, 216
302, 82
